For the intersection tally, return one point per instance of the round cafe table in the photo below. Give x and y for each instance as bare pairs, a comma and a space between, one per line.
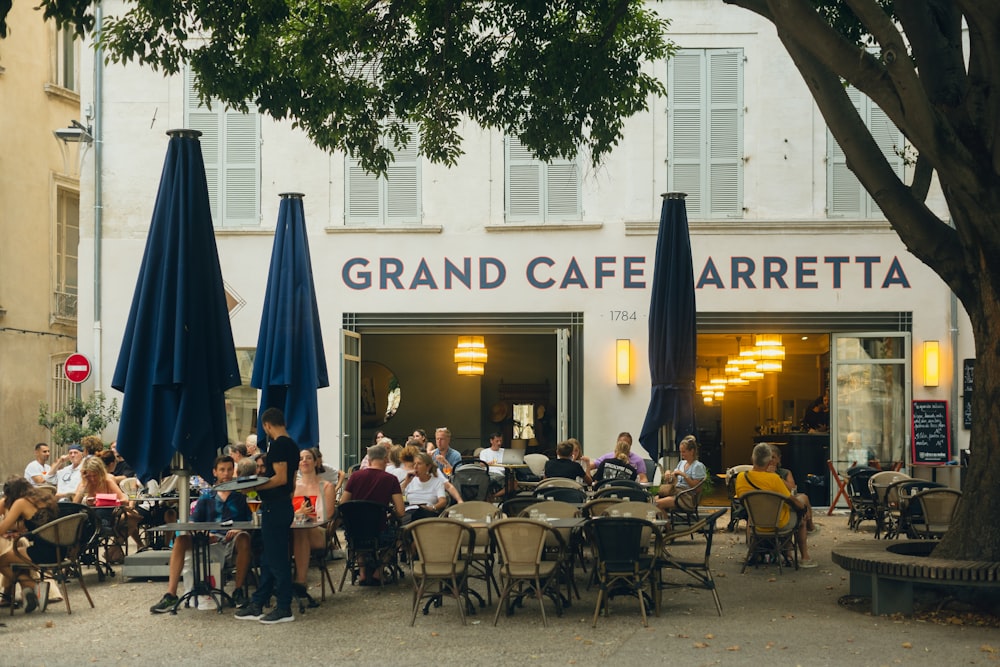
242, 483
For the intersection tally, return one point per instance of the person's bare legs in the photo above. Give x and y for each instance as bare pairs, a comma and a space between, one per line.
243, 558
666, 503
182, 543
803, 545
300, 551
807, 517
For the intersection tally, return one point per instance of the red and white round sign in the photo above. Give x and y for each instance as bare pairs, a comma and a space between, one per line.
77, 368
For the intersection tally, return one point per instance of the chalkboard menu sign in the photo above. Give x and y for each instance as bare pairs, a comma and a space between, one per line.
931, 435
968, 370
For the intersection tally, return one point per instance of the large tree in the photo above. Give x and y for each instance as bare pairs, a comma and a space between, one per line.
933, 66
563, 74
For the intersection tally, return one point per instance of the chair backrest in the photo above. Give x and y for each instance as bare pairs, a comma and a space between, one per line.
553, 508
130, 486
637, 509
562, 482
764, 510
598, 506
566, 495
362, 521
881, 481
938, 507
472, 481
688, 499
438, 542
628, 483
620, 543
625, 493
169, 484
857, 482
536, 462
63, 532
512, 507
521, 542
477, 510
91, 525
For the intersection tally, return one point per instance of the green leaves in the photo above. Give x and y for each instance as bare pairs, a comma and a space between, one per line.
79, 418
562, 75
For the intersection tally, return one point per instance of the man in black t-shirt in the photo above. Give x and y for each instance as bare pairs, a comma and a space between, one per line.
276, 524
564, 465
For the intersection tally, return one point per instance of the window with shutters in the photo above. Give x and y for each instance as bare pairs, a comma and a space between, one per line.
539, 191
66, 248
392, 199
66, 59
846, 198
705, 130
230, 145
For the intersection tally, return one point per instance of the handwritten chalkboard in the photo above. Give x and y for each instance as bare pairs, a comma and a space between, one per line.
968, 371
931, 435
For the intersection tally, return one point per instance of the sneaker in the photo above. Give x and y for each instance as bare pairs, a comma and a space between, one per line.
278, 615
167, 603
240, 599
30, 600
808, 563
250, 612
207, 603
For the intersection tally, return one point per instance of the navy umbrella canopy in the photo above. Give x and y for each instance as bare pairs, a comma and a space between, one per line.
177, 356
290, 364
672, 332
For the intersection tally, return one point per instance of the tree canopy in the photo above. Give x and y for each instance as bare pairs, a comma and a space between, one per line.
562, 75
933, 66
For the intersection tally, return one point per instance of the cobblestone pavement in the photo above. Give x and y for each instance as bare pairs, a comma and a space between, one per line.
789, 619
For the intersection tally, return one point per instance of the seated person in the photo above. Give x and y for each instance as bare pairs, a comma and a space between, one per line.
122, 468
689, 473
26, 508
316, 499
66, 477
214, 506
763, 478
581, 460
38, 468
96, 479
407, 463
492, 456
817, 416
246, 467
623, 448
329, 473
563, 465
376, 485
423, 490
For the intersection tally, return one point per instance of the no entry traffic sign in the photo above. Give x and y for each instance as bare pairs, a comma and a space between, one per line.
77, 368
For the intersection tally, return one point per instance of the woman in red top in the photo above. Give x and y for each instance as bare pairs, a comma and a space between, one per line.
314, 499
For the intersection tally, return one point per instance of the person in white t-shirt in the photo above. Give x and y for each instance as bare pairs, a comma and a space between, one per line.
39, 468
491, 456
423, 490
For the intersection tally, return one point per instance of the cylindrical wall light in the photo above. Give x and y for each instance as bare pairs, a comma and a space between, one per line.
623, 354
932, 359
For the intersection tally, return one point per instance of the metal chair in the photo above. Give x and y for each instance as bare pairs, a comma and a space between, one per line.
482, 560
685, 509
625, 493
737, 512
562, 494
630, 483
937, 510
442, 550
513, 507
570, 539
862, 499
677, 559
885, 503
910, 513
768, 538
598, 506
624, 561
66, 537
557, 482
372, 540
523, 569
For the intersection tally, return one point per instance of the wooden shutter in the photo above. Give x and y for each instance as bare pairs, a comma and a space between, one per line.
393, 199
540, 191
725, 134
686, 128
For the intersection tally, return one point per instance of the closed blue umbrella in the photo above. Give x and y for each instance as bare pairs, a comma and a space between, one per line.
673, 337
290, 364
177, 357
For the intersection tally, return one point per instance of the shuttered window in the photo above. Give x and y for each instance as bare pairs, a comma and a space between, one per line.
846, 198
705, 130
393, 199
539, 191
230, 145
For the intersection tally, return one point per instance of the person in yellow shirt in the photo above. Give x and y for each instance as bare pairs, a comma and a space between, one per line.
763, 478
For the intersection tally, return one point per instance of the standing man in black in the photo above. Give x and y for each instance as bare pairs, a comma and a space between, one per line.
276, 524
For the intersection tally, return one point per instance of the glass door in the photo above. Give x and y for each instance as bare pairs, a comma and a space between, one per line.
870, 395
350, 399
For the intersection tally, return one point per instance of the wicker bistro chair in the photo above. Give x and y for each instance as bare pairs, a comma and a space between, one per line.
737, 512
937, 509
66, 535
604, 483
372, 540
513, 507
683, 559
624, 492
685, 510
911, 513
483, 561
571, 539
863, 506
563, 494
598, 506
560, 482
881, 483
442, 550
624, 560
766, 538
523, 569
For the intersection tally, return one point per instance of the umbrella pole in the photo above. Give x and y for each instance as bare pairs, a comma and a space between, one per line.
180, 469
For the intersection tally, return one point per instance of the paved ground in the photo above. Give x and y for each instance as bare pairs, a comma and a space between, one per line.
788, 619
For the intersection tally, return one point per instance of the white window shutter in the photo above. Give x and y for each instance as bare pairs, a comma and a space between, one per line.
524, 183
686, 98
562, 188
402, 183
725, 134
242, 169
363, 195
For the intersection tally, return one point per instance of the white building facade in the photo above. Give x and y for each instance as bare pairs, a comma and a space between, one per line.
551, 263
